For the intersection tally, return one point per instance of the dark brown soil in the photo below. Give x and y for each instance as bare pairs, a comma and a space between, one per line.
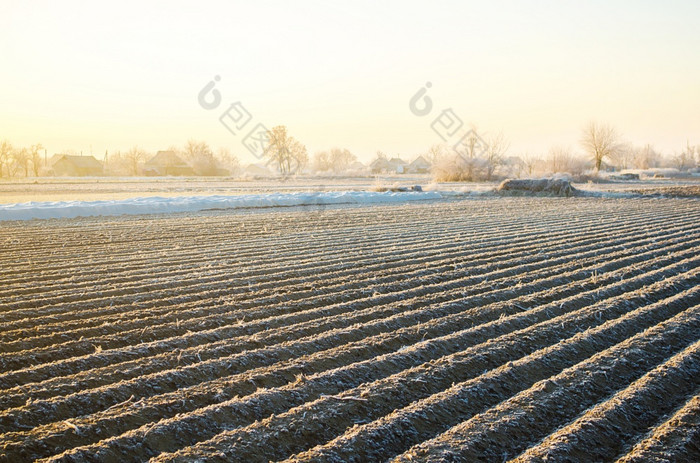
475, 328
671, 191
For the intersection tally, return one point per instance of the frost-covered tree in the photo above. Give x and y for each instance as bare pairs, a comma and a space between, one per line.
600, 141
5, 157
133, 159
35, 155
645, 157
531, 163
21, 159
285, 152
559, 159
687, 157
336, 160
228, 161
494, 154
435, 153
321, 161
199, 155
341, 159
623, 157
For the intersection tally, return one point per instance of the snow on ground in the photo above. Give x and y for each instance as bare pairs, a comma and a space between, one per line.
158, 204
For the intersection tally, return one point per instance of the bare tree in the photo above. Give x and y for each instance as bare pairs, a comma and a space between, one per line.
692, 152
228, 161
200, 156
559, 159
514, 166
116, 164
470, 148
20, 158
530, 163
321, 161
133, 158
285, 151
686, 159
435, 153
496, 149
5, 154
600, 141
645, 157
300, 156
341, 159
35, 156
336, 160
623, 156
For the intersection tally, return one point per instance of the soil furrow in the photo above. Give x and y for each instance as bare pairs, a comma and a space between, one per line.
676, 440
511, 427
603, 431
90, 345
419, 378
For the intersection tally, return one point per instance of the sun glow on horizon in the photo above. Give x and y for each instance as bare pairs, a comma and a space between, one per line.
90, 77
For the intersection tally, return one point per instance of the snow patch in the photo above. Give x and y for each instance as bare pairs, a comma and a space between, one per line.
158, 205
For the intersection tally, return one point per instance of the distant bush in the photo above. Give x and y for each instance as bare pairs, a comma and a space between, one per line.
457, 169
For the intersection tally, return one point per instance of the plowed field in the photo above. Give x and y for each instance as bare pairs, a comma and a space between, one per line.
488, 329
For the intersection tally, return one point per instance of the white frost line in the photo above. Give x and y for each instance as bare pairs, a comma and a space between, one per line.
157, 205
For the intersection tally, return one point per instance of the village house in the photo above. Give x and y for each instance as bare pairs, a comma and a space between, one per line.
66, 165
357, 168
397, 165
167, 163
420, 165
257, 170
379, 166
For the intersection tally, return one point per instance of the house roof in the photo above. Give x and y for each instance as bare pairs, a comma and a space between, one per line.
257, 169
379, 162
85, 162
420, 161
55, 157
397, 162
166, 159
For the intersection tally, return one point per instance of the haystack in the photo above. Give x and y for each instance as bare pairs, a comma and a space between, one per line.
543, 187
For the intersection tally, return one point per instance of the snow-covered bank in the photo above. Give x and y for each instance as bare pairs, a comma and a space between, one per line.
156, 205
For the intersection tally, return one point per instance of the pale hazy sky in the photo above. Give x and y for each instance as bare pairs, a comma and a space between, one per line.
85, 75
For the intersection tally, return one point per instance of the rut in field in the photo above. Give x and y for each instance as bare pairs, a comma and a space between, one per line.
486, 329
